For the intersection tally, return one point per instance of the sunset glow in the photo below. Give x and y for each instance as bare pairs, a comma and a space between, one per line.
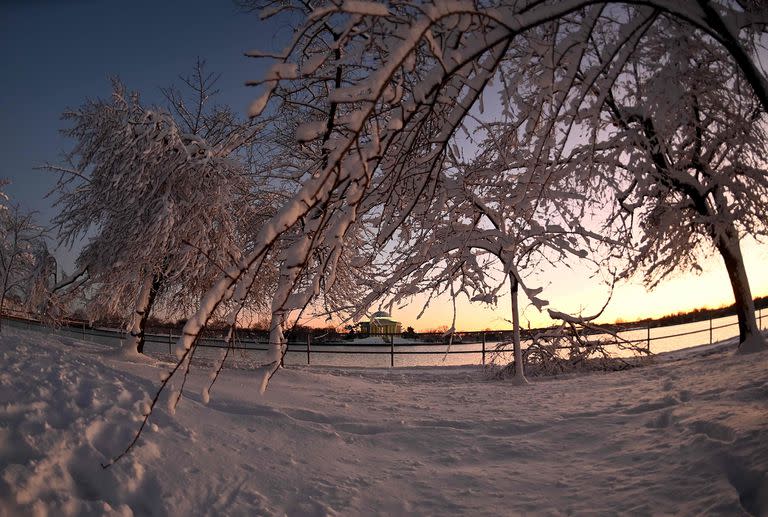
573, 292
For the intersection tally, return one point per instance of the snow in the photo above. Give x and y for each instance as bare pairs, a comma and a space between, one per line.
754, 343
280, 71
686, 435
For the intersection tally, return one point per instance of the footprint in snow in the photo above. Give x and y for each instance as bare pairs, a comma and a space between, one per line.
662, 420
646, 407
713, 431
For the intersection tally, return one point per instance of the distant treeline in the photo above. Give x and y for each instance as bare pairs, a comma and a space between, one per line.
689, 316
300, 332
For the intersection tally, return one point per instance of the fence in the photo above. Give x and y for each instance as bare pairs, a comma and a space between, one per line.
470, 347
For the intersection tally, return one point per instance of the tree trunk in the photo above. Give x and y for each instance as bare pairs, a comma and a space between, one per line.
2, 303
2, 299
727, 244
519, 377
6, 276
144, 302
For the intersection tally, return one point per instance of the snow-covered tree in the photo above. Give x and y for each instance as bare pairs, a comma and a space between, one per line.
162, 205
383, 90
679, 148
637, 100
389, 85
684, 136
24, 256
486, 211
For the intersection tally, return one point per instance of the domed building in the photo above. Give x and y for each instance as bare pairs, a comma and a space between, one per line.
381, 323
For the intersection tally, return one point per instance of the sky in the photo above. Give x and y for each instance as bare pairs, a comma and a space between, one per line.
55, 55
574, 291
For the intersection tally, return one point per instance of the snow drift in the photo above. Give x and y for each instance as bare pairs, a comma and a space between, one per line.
688, 435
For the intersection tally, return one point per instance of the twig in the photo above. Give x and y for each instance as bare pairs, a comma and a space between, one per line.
151, 408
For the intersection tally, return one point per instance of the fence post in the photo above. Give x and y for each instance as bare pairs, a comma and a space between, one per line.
760, 318
392, 353
170, 338
710, 331
483, 348
309, 343
648, 337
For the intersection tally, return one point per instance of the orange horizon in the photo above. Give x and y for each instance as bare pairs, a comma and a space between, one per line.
619, 320
570, 291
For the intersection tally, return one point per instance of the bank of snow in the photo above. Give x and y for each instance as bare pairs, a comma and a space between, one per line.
686, 436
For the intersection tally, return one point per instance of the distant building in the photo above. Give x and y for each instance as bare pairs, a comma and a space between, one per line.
381, 323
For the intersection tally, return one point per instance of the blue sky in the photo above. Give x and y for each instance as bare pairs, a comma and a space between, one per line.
57, 54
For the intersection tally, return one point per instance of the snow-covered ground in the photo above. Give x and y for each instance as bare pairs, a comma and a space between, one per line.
687, 435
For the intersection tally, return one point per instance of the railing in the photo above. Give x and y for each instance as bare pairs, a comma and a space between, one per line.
488, 341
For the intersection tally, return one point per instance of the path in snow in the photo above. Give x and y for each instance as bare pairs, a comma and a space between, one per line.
687, 437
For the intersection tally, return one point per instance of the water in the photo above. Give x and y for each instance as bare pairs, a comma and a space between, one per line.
663, 339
